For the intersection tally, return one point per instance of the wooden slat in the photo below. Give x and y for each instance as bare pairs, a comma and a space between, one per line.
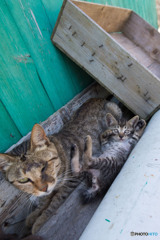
144, 35
95, 51
138, 53
8, 131
75, 76
20, 88
34, 26
104, 16
71, 218
144, 8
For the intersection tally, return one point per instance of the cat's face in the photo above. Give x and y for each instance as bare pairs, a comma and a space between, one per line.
119, 132
35, 172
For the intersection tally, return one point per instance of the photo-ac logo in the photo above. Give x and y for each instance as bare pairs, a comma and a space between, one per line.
144, 234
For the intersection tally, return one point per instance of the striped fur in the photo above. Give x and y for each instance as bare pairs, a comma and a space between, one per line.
116, 144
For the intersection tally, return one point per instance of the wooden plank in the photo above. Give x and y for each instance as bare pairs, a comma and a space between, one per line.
8, 131
138, 53
71, 218
104, 16
144, 8
75, 76
21, 90
34, 26
95, 51
137, 29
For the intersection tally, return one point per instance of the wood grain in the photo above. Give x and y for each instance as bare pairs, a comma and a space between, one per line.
111, 19
144, 35
102, 57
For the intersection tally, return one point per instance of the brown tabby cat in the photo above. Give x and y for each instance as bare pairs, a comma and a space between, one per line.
44, 170
116, 144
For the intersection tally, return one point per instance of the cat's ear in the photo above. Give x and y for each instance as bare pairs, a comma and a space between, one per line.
133, 121
110, 120
38, 137
6, 161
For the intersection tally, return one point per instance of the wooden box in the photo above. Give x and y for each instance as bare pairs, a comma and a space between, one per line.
115, 46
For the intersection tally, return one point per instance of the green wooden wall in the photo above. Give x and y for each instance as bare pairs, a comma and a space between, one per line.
36, 79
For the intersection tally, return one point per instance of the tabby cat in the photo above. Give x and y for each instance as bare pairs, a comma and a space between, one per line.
44, 170
116, 144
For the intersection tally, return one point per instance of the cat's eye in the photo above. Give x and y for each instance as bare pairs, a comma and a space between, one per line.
115, 130
24, 180
127, 132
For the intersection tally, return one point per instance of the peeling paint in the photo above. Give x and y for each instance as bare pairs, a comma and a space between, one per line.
36, 23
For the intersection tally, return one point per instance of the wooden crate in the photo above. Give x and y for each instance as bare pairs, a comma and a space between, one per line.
115, 46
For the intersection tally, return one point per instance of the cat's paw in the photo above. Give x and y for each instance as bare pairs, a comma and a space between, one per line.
140, 126
38, 224
105, 136
32, 217
30, 220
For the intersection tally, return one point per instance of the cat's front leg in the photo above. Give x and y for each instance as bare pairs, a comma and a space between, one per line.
75, 164
87, 155
105, 135
139, 129
57, 200
32, 217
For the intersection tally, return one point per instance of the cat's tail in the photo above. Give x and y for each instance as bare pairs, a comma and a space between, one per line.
114, 109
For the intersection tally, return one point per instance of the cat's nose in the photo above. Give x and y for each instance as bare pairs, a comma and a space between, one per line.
121, 135
44, 188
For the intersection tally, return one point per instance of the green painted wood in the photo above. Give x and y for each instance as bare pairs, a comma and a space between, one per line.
35, 28
9, 133
76, 76
144, 8
20, 88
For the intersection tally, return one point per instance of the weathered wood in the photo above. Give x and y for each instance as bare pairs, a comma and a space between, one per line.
21, 91
144, 35
138, 53
15, 205
111, 19
92, 48
71, 218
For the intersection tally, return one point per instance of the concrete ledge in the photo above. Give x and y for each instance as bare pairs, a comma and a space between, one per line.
132, 204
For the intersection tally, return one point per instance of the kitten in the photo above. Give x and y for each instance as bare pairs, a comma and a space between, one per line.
116, 144
44, 170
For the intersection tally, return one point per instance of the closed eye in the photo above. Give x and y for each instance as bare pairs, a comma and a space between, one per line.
57, 165
54, 158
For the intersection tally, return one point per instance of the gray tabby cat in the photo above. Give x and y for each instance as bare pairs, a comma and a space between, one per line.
44, 169
116, 144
